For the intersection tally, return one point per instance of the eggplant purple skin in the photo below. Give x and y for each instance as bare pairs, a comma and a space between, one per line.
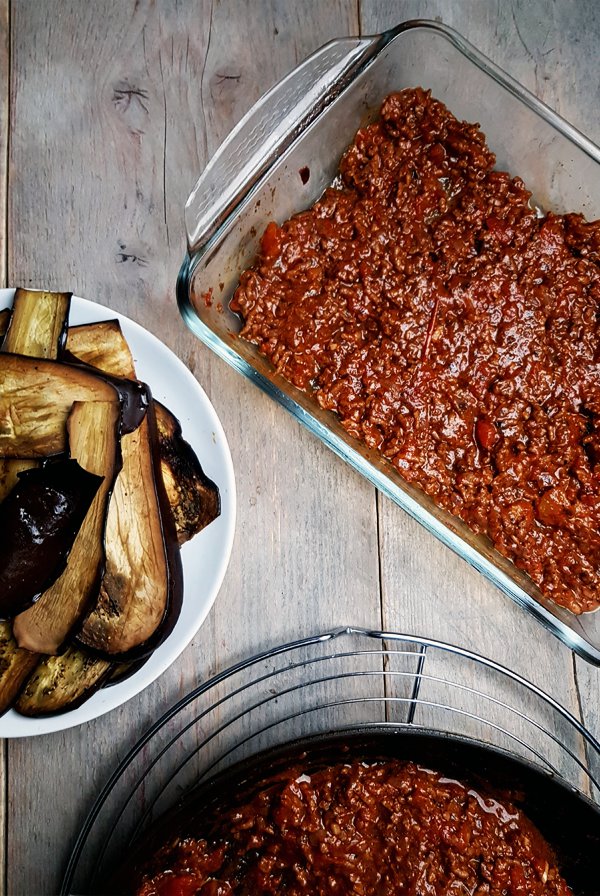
39, 520
134, 395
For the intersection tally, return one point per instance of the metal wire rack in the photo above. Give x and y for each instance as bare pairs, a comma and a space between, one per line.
342, 679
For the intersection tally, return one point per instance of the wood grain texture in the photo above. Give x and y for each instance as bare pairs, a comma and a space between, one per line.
4, 127
116, 107
132, 98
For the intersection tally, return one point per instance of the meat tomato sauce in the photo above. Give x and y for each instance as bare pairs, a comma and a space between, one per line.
359, 829
454, 328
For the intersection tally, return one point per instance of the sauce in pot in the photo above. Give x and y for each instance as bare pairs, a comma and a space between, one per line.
360, 829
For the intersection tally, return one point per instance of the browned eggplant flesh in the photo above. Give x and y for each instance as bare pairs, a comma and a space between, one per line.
36, 397
38, 323
60, 682
102, 345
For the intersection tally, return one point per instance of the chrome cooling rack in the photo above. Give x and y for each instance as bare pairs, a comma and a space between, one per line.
341, 679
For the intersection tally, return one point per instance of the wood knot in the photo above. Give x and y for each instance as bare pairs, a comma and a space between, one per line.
132, 103
128, 256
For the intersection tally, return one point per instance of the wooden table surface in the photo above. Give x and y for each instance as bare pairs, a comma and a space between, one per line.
110, 109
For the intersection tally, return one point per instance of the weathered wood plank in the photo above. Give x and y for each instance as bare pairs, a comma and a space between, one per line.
4, 126
4, 129
104, 158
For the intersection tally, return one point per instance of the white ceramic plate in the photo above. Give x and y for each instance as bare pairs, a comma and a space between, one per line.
204, 558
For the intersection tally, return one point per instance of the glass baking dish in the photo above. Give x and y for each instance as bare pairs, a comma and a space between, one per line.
282, 155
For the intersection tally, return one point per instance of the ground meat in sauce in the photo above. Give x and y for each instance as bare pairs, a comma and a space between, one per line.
361, 829
453, 328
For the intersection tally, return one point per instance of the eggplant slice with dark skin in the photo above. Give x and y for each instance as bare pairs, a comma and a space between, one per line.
62, 682
93, 432
40, 519
142, 586
36, 325
36, 396
194, 498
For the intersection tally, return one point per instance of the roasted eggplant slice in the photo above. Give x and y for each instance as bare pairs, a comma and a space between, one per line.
38, 324
36, 397
141, 590
39, 520
194, 498
102, 345
16, 665
60, 683
93, 430
122, 671
140, 594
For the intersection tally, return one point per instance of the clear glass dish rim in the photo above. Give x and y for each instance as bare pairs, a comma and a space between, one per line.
562, 630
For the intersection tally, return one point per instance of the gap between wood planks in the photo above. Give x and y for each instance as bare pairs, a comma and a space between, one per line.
4, 130
5, 81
